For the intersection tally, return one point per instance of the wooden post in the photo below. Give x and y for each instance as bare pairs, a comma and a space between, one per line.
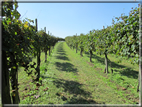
45, 50
45, 29
106, 59
36, 24
76, 43
106, 62
91, 55
38, 57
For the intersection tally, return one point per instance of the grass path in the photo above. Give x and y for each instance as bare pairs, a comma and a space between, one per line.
72, 80
79, 80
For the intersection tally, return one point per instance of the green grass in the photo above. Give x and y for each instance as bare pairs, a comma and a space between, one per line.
72, 79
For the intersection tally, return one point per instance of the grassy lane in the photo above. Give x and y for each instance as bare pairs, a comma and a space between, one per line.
71, 79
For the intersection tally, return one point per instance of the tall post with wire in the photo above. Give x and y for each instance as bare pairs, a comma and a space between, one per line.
45, 50
76, 42
38, 55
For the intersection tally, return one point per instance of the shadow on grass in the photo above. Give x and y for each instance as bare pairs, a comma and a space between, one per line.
60, 48
129, 73
74, 100
43, 76
61, 53
62, 57
74, 88
65, 66
125, 70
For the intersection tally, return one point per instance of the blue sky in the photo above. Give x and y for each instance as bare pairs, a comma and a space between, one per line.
67, 19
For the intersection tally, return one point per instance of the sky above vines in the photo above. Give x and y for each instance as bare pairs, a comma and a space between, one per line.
67, 19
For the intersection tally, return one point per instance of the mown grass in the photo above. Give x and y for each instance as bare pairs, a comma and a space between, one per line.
124, 78
68, 78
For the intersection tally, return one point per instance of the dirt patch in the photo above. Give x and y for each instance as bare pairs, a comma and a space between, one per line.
90, 64
129, 95
98, 69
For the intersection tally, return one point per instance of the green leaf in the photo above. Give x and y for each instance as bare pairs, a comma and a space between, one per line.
14, 67
15, 33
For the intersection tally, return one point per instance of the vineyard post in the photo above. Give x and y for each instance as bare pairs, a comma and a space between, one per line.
81, 48
106, 59
90, 50
45, 29
38, 56
76, 42
36, 24
140, 52
106, 62
91, 55
45, 47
